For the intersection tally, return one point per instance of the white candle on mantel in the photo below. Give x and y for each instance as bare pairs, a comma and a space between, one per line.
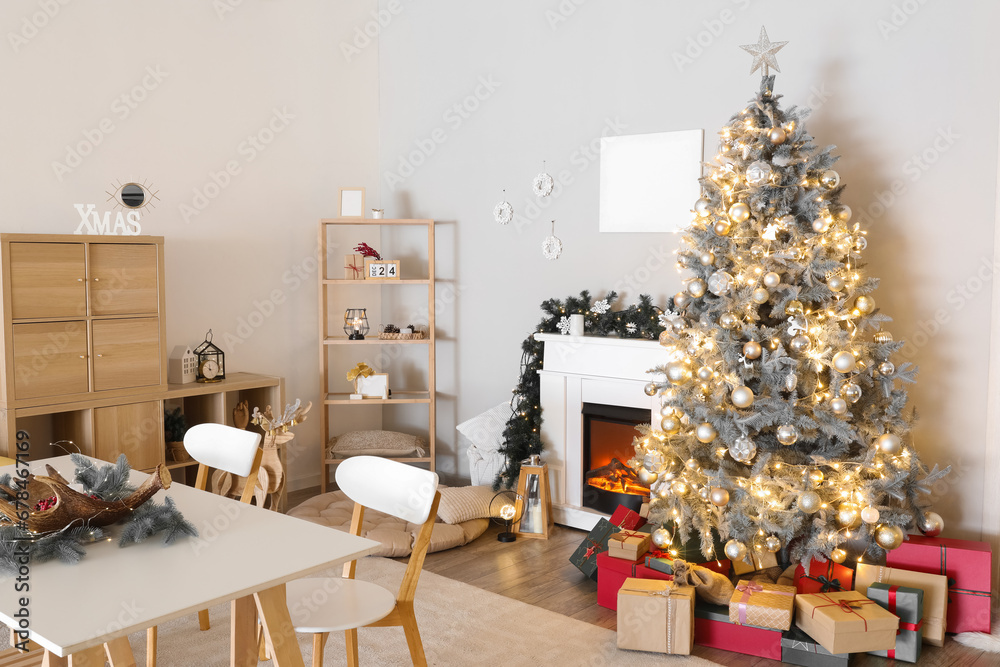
576, 325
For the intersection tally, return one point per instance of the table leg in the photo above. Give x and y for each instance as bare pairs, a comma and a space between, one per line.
278, 628
243, 632
120, 653
52, 660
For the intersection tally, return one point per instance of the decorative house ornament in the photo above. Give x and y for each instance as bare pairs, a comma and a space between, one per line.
552, 246
211, 361
182, 366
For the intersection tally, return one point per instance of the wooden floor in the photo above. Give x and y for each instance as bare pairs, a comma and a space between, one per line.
538, 572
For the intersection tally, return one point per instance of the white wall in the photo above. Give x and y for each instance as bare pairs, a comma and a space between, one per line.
223, 77
882, 94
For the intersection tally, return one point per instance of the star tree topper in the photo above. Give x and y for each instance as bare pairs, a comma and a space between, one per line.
763, 53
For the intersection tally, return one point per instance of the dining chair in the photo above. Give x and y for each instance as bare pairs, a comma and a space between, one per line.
323, 605
225, 448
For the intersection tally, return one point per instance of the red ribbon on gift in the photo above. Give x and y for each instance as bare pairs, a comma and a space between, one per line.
748, 588
951, 582
915, 627
847, 606
354, 267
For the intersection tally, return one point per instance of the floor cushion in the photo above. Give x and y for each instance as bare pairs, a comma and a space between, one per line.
334, 509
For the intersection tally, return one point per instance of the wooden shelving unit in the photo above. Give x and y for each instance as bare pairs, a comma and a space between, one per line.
333, 401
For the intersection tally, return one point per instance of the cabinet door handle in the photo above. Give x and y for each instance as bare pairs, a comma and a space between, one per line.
83, 356
97, 280
99, 356
81, 280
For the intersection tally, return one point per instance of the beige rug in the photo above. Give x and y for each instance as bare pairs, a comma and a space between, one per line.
459, 624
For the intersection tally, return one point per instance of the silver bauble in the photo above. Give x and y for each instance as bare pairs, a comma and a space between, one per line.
838, 406
661, 538
650, 389
728, 321
705, 433
739, 212
864, 304
760, 295
889, 537
680, 488
743, 449
654, 461
844, 213
752, 349
722, 227
787, 434
757, 251
705, 373
707, 258
930, 524
835, 283
772, 543
809, 502
794, 307
870, 514
829, 179
820, 225
844, 362
791, 381
851, 392
777, 135
800, 343
758, 172
647, 477
678, 325
719, 283
860, 243
771, 279
703, 207
742, 397
735, 550
889, 443
886, 368
681, 299
696, 288
678, 373
704, 493
719, 497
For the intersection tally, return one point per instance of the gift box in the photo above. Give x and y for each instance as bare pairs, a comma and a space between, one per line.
596, 542
763, 605
845, 622
644, 511
823, 577
713, 629
664, 564
908, 604
798, 648
627, 519
656, 616
690, 550
758, 560
628, 545
966, 565
612, 573
934, 586
354, 267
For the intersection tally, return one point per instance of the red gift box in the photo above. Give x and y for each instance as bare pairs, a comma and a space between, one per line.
966, 564
823, 577
612, 573
627, 519
713, 629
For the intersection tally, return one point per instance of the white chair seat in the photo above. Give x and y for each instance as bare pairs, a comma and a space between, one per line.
329, 605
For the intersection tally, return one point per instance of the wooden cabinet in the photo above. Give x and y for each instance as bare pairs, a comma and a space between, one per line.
47, 280
133, 429
50, 359
124, 279
126, 353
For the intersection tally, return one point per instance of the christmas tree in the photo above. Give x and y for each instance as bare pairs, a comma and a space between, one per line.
784, 423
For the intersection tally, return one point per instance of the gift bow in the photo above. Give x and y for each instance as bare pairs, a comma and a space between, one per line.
826, 585
748, 588
361, 370
846, 606
354, 266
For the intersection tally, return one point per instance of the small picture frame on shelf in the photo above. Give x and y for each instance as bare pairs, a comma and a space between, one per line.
373, 386
381, 269
352, 203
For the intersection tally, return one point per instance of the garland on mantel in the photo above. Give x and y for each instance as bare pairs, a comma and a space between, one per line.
522, 435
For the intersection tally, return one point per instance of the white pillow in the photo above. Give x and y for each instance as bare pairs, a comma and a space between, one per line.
375, 443
486, 430
464, 503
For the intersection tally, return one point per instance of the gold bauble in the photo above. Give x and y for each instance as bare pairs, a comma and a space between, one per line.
752, 349
691, 463
742, 397
757, 251
680, 488
809, 502
800, 343
844, 213
707, 258
829, 179
838, 406
696, 288
735, 550
820, 225
883, 337
794, 307
889, 443
760, 295
728, 321
886, 368
835, 283
864, 304
665, 338
647, 477
930, 524
838, 555
844, 362
870, 514
678, 373
705, 433
650, 389
772, 543
705, 373
889, 537
777, 135
787, 434
703, 207
722, 227
771, 279
848, 515
816, 476
739, 212
681, 300
719, 497
661, 538
670, 425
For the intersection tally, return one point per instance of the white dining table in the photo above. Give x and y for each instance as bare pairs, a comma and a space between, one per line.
243, 555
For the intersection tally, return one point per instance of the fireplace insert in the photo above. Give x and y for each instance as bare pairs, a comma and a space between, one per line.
608, 431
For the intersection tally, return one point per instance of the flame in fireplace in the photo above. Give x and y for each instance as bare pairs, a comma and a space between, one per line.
617, 477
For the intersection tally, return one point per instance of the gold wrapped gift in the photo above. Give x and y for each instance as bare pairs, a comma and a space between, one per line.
763, 605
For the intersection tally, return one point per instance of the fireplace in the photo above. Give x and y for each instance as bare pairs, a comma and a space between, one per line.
608, 431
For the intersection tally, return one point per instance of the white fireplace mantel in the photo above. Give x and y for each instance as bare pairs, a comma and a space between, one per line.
587, 369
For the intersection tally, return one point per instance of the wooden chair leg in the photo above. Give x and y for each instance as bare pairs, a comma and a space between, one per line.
351, 640
261, 643
203, 620
412, 636
319, 643
151, 636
